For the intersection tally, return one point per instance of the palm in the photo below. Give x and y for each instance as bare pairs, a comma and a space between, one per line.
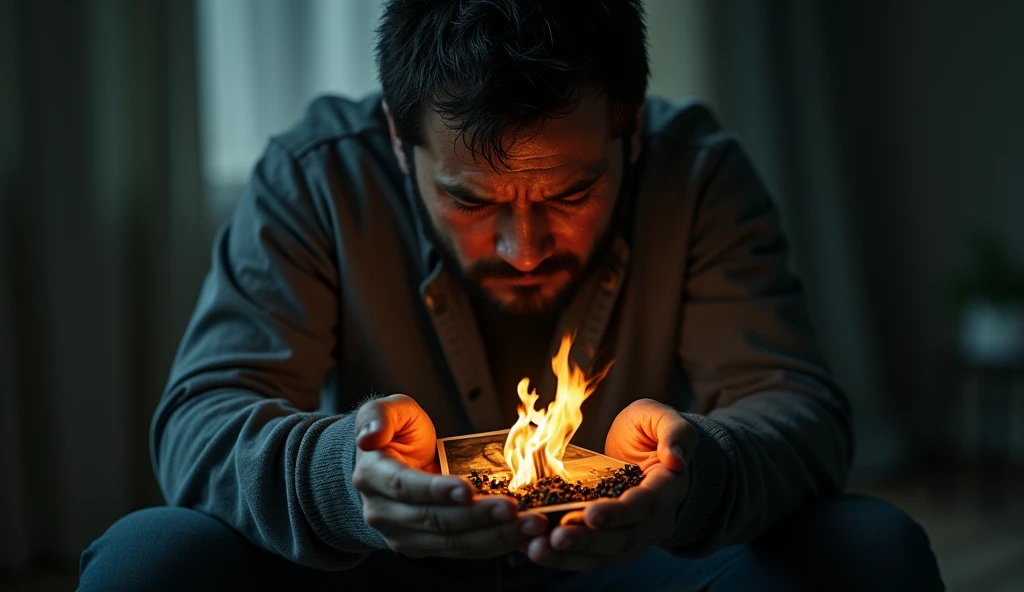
659, 439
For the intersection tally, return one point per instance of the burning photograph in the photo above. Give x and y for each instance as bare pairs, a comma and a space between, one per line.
482, 453
588, 475
533, 461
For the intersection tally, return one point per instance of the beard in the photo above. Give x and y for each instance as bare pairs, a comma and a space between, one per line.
530, 301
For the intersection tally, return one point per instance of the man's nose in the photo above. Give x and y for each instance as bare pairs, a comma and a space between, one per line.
524, 238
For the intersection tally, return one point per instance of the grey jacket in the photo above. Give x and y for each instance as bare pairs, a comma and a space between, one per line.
324, 289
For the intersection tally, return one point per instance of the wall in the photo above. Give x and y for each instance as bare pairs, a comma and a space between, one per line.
935, 114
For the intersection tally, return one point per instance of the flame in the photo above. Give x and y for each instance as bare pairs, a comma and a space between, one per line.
537, 441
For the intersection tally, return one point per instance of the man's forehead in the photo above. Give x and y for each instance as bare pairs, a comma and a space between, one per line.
578, 141
557, 166
550, 179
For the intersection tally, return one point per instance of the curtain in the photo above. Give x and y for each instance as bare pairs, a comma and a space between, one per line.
779, 74
262, 61
129, 128
103, 242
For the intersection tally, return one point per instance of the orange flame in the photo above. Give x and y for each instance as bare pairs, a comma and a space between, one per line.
537, 441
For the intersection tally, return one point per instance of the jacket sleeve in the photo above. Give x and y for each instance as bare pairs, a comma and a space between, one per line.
237, 434
774, 430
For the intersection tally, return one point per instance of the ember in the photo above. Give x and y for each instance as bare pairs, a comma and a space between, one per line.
550, 491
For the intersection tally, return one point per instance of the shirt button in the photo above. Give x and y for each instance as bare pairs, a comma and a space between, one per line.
473, 394
433, 303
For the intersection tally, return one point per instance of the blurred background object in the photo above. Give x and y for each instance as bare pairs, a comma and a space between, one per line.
989, 297
887, 131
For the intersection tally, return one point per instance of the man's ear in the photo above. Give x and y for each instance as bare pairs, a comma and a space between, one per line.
638, 128
396, 142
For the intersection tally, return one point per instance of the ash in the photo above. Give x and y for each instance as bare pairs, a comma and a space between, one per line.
550, 491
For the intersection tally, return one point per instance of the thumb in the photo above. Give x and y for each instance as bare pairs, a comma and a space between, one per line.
378, 420
677, 440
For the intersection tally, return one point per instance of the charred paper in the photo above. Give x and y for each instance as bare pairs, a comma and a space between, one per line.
592, 476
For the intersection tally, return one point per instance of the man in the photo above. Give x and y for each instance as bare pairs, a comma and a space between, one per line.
511, 185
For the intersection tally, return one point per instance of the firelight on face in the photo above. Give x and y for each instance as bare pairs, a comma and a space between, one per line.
522, 230
530, 292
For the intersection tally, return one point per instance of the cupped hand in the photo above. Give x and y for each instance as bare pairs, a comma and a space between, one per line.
656, 437
419, 512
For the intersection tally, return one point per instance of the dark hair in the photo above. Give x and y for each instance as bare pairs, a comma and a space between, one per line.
494, 69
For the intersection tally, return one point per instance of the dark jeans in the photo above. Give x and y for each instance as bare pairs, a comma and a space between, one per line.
847, 542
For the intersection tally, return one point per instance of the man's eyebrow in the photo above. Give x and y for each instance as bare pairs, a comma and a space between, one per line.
594, 174
460, 192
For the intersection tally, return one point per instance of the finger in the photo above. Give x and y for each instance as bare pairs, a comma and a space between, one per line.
373, 423
660, 490
647, 431
542, 553
378, 474
573, 517
677, 438
391, 517
617, 542
379, 421
475, 544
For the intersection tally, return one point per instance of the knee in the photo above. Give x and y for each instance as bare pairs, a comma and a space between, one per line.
876, 531
165, 548
854, 541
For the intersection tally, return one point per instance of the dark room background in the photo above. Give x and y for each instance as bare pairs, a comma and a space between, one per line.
889, 133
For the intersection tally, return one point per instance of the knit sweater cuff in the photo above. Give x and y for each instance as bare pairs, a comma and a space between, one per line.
331, 503
709, 471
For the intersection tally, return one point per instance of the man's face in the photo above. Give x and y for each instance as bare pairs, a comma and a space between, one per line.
522, 234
